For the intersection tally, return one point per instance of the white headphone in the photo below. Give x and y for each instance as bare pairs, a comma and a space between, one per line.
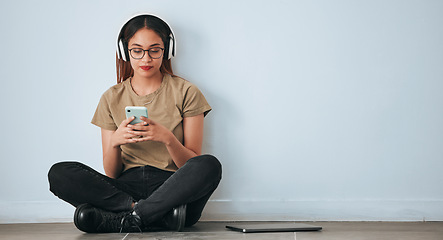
122, 47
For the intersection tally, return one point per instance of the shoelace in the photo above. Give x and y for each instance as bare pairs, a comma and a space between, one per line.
118, 222
129, 220
112, 221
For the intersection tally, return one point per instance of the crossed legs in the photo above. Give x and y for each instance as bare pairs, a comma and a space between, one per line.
155, 191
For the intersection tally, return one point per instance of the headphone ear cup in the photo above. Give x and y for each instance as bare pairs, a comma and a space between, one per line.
123, 51
171, 47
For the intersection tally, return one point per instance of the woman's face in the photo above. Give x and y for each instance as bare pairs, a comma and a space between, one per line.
145, 39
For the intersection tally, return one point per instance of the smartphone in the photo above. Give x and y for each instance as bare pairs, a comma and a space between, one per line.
137, 112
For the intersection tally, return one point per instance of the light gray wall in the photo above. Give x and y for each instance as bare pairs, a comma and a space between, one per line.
323, 110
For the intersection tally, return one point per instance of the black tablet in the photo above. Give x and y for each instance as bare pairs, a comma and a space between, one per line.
272, 227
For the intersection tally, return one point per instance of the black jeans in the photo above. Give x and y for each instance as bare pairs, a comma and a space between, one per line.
156, 191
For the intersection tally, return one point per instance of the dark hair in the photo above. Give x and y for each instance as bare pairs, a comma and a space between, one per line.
124, 69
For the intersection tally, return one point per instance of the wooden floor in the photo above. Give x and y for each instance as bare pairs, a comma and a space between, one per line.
217, 230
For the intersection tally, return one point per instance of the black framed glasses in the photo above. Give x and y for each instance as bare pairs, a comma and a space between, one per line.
139, 53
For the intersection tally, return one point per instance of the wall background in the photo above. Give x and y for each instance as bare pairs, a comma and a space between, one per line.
323, 110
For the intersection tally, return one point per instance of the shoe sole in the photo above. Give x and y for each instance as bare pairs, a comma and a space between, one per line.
181, 215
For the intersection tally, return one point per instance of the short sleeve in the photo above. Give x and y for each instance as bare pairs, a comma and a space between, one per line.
194, 103
103, 117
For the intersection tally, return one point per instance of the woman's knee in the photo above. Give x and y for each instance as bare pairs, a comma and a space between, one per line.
59, 172
58, 169
210, 164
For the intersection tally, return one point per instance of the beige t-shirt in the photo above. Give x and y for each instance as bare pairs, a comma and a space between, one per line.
174, 100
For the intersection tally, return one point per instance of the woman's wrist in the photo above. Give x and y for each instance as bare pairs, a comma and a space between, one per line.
170, 139
114, 143
114, 146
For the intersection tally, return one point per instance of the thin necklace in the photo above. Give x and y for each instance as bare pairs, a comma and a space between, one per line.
146, 103
156, 92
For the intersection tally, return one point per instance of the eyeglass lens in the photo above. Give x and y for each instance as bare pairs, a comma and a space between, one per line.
139, 53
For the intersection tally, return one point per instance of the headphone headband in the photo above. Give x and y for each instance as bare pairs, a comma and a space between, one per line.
122, 49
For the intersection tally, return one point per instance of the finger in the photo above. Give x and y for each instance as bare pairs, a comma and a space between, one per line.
131, 140
127, 121
143, 123
131, 133
139, 127
138, 133
144, 139
149, 121
129, 136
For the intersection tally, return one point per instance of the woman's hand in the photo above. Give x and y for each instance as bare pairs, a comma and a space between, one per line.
150, 131
123, 134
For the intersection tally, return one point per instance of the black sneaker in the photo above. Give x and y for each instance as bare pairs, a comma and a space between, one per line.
175, 219
94, 220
